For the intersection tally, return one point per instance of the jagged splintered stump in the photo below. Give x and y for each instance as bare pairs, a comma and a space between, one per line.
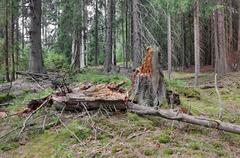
148, 81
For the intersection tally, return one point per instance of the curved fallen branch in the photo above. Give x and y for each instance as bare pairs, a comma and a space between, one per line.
171, 115
74, 104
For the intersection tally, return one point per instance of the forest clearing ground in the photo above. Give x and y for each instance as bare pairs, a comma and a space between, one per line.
128, 135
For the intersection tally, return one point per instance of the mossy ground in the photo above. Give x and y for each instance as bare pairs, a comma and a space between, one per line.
129, 135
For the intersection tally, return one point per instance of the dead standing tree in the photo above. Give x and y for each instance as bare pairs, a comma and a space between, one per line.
148, 81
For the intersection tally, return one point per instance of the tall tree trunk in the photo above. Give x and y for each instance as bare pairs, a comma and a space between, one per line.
220, 42
123, 33
109, 31
96, 35
127, 35
136, 34
184, 41
114, 31
230, 40
76, 50
6, 42
23, 26
169, 47
84, 16
196, 42
12, 39
35, 57
17, 43
238, 48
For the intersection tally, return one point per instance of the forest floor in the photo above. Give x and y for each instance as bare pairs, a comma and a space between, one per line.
126, 134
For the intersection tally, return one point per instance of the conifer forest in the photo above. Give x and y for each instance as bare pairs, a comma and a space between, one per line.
119, 78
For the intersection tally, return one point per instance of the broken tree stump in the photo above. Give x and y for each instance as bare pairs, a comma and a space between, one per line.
148, 87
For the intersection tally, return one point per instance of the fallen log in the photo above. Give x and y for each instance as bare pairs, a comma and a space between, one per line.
81, 104
207, 86
174, 115
38, 75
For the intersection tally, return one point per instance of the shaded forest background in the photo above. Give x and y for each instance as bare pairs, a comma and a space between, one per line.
80, 33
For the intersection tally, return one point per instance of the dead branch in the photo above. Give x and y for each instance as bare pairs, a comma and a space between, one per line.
26, 120
44, 76
221, 106
71, 132
172, 115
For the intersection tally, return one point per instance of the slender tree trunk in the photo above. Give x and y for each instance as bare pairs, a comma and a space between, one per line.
221, 66
96, 35
76, 50
23, 27
17, 43
136, 34
109, 31
13, 40
196, 42
123, 34
184, 41
238, 48
216, 41
230, 49
114, 31
36, 58
6, 42
82, 53
169, 47
127, 51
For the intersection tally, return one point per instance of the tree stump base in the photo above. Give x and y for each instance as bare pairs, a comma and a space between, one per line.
148, 87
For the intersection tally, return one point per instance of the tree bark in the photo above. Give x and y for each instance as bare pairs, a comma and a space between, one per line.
114, 33
127, 35
196, 42
96, 35
109, 32
76, 50
221, 66
35, 58
238, 48
136, 34
17, 42
148, 81
83, 31
169, 47
171, 115
13, 40
7, 42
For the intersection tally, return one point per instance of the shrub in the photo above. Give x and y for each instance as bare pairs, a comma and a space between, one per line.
55, 61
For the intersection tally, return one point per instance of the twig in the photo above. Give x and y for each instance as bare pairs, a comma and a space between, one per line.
26, 120
93, 125
5, 104
221, 106
137, 135
13, 130
44, 122
71, 132
36, 82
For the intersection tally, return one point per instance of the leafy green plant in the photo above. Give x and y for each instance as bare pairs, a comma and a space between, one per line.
55, 61
164, 138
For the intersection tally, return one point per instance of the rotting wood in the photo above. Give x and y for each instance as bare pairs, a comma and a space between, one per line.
121, 105
174, 115
148, 81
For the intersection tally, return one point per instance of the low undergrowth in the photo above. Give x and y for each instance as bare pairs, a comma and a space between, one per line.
105, 134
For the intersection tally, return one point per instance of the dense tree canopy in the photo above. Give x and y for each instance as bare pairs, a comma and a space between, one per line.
117, 32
